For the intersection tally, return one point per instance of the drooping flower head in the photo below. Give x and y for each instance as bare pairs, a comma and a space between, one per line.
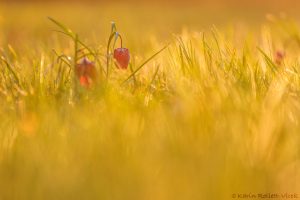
122, 57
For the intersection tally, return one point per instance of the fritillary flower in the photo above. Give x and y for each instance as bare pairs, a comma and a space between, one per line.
122, 57
86, 72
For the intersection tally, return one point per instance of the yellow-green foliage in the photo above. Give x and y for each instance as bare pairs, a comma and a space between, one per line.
212, 115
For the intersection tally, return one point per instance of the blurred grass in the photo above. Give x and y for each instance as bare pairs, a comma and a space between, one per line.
216, 119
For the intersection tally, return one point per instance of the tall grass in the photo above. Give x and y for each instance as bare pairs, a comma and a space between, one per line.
211, 115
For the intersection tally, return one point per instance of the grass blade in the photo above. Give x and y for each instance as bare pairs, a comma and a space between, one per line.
65, 30
11, 71
144, 63
270, 63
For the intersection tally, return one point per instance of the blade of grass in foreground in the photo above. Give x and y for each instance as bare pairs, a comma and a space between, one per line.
144, 63
68, 32
11, 71
269, 61
64, 29
153, 77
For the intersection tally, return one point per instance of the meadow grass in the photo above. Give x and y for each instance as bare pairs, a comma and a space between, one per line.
213, 114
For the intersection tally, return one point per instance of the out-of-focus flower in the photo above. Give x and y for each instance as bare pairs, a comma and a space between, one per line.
86, 72
279, 57
122, 57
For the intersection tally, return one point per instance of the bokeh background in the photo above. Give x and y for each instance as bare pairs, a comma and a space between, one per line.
26, 20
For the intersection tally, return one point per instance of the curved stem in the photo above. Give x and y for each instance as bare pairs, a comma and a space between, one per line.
121, 40
107, 49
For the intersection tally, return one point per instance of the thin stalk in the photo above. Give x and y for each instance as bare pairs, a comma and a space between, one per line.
144, 63
113, 34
